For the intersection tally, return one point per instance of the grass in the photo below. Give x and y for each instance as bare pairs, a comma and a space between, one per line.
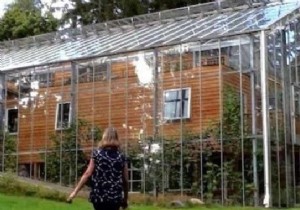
30, 203
19, 194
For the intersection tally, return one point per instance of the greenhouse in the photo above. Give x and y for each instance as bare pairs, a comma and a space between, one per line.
205, 98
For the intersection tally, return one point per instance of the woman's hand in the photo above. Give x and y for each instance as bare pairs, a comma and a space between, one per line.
82, 181
71, 197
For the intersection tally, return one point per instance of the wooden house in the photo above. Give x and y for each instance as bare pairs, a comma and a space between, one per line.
111, 92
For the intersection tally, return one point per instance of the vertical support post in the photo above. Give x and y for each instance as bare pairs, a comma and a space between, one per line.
109, 91
74, 80
253, 116
242, 120
31, 107
2, 118
201, 120
277, 79
155, 102
221, 123
164, 179
181, 125
74, 106
155, 113
46, 127
287, 115
265, 118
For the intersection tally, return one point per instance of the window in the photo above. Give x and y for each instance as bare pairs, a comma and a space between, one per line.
45, 79
177, 104
93, 73
12, 120
63, 115
134, 176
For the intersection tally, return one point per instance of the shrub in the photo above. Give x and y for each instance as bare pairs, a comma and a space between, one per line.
10, 184
161, 201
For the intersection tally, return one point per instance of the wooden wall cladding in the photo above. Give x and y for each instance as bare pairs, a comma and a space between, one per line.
124, 103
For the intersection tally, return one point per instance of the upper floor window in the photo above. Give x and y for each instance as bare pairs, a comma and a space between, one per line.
12, 120
95, 72
63, 115
45, 79
177, 103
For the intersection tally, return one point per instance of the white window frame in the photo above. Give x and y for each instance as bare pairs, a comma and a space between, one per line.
44, 78
131, 181
56, 115
189, 104
6, 120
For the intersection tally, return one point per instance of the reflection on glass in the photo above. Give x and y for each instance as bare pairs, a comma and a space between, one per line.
144, 67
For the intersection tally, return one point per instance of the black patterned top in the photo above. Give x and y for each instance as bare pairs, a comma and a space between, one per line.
106, 181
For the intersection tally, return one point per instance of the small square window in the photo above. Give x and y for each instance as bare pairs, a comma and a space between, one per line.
134, 177
63, 116
177, 104
45, 79
93, 73
12, 120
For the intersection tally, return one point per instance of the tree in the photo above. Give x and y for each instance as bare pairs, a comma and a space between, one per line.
10, 147
26, 4
97, 11
24, 18
158, 5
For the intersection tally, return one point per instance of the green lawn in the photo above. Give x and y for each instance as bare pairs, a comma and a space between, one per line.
30, 203
21, 203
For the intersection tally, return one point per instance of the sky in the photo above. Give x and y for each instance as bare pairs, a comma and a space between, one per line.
3, 3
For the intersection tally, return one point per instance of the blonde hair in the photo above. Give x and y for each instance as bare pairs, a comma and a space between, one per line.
110, 138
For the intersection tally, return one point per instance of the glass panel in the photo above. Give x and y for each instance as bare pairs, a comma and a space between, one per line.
189, 116
70, 45
296, 98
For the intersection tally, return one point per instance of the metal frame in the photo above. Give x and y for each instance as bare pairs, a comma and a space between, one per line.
134, 22
74, 44
265, 119
165, 25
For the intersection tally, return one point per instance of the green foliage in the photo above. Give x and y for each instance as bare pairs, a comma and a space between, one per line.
10, 146
212, 176
230, 133
231, 122
9, 184
158, 5
169, 165
95, 11
220, 175
67, 160
23, 19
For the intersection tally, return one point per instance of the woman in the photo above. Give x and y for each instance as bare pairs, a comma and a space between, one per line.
109, 175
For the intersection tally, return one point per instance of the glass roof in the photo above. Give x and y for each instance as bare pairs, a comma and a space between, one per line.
143, 36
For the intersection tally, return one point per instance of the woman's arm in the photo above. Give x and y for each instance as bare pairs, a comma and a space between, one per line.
83, 180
